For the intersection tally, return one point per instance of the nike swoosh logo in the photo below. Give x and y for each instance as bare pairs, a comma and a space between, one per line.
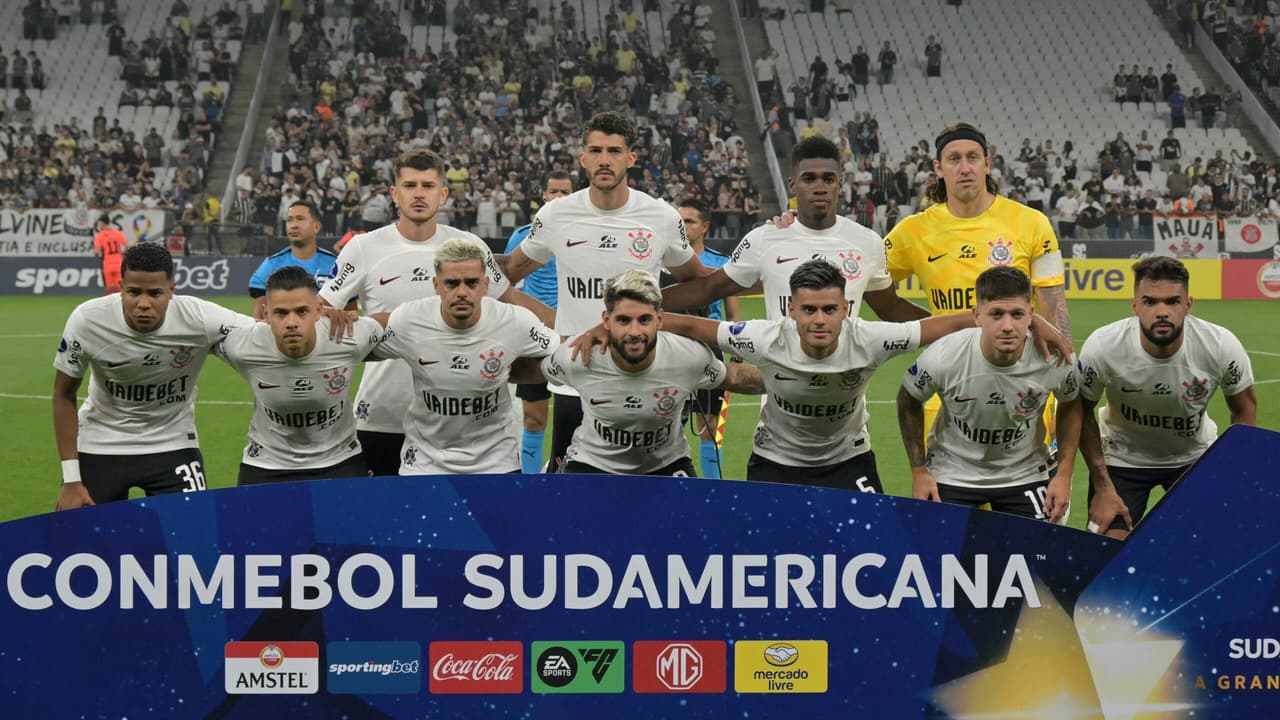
117, 364
933, 258
960, 399
781, 260
1130, 390
575, 243
776, 376
527, 452
384, 281
427, 362
266, 386
600, 402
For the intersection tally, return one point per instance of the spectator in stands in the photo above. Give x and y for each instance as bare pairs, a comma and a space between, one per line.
932, 58
888, 58
1151, 87
1177, 108
1170, 152
861, 63
1090, 219
1210, 103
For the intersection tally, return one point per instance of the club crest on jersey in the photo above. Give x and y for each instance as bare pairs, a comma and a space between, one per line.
336, 380
641, 244
491, 364
410, 455
1196, 391
666, 402
254, 449
850, 265
1028, 403
362, 410
180, 357
850, 380
1001, 252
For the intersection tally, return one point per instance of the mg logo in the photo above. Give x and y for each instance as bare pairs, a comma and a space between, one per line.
680, 666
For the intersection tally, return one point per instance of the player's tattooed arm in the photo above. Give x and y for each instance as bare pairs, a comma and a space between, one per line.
516, 265
1107, 504
545, 314
699, 291
1053, 303
889, 306
911, 424
1244, 407
743, 378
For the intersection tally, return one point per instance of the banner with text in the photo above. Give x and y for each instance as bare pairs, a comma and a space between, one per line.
69, 232
488, 596
1192, 236
1249, 234
203, 275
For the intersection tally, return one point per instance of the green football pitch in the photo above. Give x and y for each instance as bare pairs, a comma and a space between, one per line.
29, 473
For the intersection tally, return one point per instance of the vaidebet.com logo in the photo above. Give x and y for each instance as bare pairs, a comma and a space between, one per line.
578, 667
374, 668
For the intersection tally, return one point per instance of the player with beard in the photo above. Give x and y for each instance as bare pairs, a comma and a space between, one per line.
145, 347
302, 426
393, 265
635, 391
1158, 371
595, 234
301, 226
985, 447
459, 346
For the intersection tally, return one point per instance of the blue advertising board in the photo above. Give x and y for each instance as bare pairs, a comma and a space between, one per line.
583, 596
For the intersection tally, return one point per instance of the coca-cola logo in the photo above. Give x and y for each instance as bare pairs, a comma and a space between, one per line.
492, 666
476, 667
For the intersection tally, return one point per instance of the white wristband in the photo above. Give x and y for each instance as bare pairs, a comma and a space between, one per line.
70, 471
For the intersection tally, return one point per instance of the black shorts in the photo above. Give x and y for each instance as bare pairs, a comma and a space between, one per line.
109, 477
707, 402
381, 451
566, 416
857, 473
1134, 486
533, 392
353, 466
1026, 500
680, 468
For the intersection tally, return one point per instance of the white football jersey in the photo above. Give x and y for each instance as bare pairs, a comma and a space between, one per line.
1156, 411
460, 417
143, 385
302, 418
631, 421
815, 412
591, 245
772, 254
989, 432
384, 269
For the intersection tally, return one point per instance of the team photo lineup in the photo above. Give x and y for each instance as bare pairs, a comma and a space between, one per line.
540, 237
992, 412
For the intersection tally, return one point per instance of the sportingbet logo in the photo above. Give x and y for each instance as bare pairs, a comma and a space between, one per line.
578, 667
187, 275
662, 666
272, 668
787, 666
374, 668
491, 668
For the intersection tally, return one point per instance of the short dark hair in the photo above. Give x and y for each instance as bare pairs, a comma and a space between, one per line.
611, 123
816, 274
310, 206
104, 219
1160, 267
291, 277
147, 257
1001, 283
699, 205
814, 147
559, 175
419, 159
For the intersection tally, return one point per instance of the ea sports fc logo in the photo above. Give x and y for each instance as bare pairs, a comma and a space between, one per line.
641, 244
1001, 252
666, 402
491, 364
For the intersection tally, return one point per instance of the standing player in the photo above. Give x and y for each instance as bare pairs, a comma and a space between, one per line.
635, 391
109, 244
302, 226
595, 234
302, 426
1158, 371
540, 284
765, 258
390, 266
970, 228
706, 403
145, 347
459, 346
986, 444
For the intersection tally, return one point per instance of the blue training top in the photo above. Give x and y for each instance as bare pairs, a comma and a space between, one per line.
712, 259
540, 283
320, 265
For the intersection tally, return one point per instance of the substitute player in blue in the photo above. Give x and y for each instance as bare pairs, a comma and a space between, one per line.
302, 226
541, 284
706, 403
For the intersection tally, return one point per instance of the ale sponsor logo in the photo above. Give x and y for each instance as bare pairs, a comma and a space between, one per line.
476, 667
780, 666
679, 666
